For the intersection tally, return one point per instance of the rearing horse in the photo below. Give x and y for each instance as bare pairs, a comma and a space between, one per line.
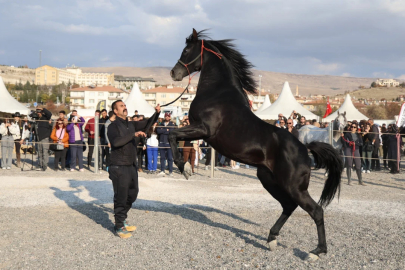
220, 115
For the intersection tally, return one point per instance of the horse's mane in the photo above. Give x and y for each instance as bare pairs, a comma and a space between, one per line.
240, 66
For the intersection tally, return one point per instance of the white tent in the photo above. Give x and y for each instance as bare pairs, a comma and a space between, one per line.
285, 104
351, 112
135, 101
8, 104
265, 104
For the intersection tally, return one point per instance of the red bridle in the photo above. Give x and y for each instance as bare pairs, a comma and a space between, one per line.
200, 55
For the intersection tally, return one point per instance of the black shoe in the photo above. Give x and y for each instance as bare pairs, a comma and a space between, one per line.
44, 169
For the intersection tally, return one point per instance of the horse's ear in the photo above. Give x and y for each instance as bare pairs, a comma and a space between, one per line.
195, 36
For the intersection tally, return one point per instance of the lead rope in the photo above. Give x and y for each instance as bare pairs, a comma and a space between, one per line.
398, 149
190, 77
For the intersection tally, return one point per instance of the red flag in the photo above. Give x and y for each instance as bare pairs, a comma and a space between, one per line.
328, 109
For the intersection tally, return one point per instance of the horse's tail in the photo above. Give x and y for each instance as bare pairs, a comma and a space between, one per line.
327, 157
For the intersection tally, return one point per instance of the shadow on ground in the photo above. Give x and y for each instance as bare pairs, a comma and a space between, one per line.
102, 193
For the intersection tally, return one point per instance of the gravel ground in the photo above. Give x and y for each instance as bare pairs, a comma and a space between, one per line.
64, 220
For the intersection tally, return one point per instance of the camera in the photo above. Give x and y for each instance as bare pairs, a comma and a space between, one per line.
34, 115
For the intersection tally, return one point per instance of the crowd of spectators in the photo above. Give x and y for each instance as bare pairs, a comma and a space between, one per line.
364, 142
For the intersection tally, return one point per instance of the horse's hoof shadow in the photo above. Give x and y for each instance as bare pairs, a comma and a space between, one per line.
187, 170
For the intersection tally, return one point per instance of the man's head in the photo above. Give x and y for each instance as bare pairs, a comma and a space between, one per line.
307, 122
135, 118
371, 121
141, 117
111, 115
62, 114
280, 116
103, 113
326, 124
120, 109
97, 113
136, 112
17, 116
39, 112
289, 123
167, 117
282, 122
74, 113
302, 120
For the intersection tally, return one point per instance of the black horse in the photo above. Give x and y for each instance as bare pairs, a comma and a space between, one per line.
220, 114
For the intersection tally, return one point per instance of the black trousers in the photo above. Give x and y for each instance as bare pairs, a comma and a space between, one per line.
375, 161
208, 157
90, 143
60, 155
18, 151
126, 189
105, 152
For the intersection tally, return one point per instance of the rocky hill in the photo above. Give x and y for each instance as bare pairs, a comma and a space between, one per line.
271, 81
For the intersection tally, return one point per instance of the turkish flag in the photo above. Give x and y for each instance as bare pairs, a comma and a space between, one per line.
328, 109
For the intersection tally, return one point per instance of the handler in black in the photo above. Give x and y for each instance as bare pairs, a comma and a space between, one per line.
123, 171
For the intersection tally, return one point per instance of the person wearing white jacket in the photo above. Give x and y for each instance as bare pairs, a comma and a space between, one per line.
8, 130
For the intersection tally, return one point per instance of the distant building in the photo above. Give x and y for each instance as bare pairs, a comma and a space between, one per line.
387, 82
47, 75
164, 95
88, 97
127, 82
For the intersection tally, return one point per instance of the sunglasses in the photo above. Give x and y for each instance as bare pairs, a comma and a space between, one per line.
289, 123
282, 122
60, 123
354, 127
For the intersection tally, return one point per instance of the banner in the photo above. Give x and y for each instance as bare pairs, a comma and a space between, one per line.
401, 116
328, 109
101, 105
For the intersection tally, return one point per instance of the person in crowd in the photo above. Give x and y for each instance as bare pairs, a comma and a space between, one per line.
308, 122
375, 161
62, 115
103, 141
111, 118
8, 130
283, 123
189, 152
384, 142
136, 112
122, 171
392, 149
163, 131
291, 128
326, 125
135, 118
152, 144
141, 148
60, 136
89, 128
295, 116
44, 132
17, 137
301, 123
353, 141
315, 123
277, 123
74, 128
68, 154
367, 148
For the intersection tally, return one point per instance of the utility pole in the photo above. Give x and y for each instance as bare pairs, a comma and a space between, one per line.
40, 57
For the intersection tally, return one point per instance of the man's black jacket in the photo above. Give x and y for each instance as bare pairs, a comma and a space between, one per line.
121, 134
43, 128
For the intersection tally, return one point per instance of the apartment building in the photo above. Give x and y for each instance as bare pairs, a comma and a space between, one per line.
88, 97
387, 82
127, 82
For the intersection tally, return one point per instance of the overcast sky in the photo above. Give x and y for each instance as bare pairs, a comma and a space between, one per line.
348, 38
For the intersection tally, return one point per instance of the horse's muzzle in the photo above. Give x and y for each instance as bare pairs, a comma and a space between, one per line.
177, 73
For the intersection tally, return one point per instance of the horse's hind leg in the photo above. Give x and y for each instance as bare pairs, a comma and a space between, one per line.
288, 204
305, 201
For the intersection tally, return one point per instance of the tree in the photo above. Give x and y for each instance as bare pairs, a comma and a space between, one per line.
272, 98
44, 97
376, 112
373, 84
392, 110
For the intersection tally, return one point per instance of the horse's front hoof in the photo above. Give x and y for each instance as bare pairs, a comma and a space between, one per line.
272, 245
187, 170
312, 258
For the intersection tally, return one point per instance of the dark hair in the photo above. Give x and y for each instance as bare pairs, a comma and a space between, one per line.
103, 110
57, 126
141, 116
303, 117
135, 116
74, 111
97, 111
63, 112
110, 114
114, 105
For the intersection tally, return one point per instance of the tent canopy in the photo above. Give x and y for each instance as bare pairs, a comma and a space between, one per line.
285, 104
135, 101
265, 104
351, 112
8, 104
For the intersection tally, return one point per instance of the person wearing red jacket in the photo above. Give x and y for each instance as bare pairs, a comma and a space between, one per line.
89, 128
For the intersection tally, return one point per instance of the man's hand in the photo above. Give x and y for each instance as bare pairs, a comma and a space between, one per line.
22, 142
140, 134
91, 132
109, 145
157, 108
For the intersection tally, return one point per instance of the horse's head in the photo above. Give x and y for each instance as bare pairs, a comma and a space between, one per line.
340, 122
189, 59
